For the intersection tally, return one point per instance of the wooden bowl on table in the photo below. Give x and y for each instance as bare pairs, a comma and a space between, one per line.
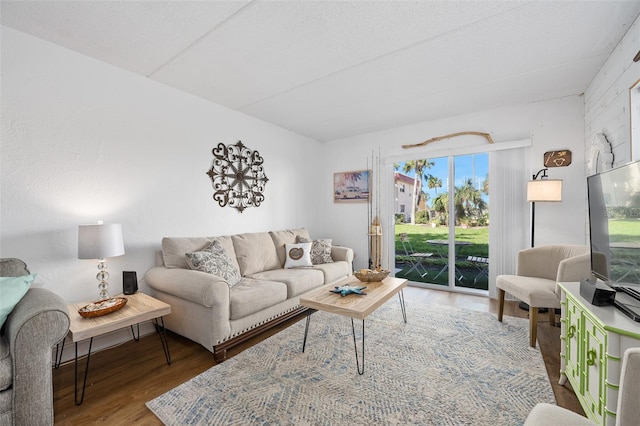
368, 276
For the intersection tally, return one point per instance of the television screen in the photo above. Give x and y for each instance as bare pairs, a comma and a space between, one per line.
614, 224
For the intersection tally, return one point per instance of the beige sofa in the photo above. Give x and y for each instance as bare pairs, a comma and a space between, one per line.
207, 310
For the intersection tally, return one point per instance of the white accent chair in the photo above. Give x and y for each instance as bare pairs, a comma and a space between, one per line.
627, 411
537, 272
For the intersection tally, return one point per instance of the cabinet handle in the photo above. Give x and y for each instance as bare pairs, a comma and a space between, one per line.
571, 332
591, 357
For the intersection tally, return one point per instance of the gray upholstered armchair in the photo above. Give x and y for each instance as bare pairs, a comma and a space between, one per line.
36, 324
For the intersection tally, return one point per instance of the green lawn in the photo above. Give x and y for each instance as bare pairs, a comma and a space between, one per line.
624, 230
478, 237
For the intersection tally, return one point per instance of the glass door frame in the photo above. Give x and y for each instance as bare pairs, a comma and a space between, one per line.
429, 152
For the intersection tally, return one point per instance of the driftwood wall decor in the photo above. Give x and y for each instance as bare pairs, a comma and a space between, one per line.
452, 135
237, 176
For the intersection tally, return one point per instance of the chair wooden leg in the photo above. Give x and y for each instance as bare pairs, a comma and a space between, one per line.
500, 304
533, 326
552, 316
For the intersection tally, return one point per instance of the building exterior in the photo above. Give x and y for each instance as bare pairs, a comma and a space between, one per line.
403, 192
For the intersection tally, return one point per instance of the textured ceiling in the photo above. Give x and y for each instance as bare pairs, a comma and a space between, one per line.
333, 69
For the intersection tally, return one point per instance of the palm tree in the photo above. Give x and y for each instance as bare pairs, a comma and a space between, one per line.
468, 201
419, 166
441, 204
434, 182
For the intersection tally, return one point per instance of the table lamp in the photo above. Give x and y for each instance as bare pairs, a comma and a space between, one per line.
99, 242
543, 189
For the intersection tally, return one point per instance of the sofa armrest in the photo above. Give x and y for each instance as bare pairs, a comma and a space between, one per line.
195, 286
38, 322
339, 253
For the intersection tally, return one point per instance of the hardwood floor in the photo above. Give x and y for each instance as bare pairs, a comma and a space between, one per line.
123, 378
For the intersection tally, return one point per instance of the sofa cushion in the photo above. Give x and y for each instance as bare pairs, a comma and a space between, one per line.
252, 295
320, 250
11, 267
6, 368
214, 259
298, 255
298, 281
12, 290
289, 236
255, 252
334, 271
174, 249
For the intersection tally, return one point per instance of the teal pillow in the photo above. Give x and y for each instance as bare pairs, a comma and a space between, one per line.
12, 290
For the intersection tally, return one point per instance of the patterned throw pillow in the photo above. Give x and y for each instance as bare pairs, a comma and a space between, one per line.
298, 255
320, 250
213, 259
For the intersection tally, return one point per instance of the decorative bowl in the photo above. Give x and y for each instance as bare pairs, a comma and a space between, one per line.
368, 275
102, 307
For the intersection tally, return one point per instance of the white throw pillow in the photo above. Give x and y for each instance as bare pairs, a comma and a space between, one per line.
298, 255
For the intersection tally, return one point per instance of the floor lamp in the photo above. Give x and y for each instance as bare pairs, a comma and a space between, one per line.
542, 189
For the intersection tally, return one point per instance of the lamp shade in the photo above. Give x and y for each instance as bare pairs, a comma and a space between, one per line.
100, 241
544, 190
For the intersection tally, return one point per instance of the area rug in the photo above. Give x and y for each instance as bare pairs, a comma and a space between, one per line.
446, 366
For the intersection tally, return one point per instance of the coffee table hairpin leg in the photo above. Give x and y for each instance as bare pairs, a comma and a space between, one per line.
353, 330
306, 327
355, 347
402, 306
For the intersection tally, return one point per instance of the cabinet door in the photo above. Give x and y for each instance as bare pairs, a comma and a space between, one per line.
594, 354
572, 345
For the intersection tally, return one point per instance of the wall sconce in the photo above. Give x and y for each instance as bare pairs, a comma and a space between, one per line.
99, 242
542, 190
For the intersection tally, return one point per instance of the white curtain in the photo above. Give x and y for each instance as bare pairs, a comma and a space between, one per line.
509, 213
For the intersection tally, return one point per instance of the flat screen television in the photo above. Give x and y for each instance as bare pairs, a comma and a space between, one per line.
614, 228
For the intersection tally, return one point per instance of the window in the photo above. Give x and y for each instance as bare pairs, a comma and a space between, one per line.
401, 208
402, 190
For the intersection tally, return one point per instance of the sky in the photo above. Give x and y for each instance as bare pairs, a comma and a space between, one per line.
465, 166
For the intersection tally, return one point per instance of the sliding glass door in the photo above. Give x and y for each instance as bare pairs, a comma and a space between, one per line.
442, 237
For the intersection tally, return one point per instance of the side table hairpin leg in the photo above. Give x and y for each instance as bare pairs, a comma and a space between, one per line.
86, 372
59, 350
163, 338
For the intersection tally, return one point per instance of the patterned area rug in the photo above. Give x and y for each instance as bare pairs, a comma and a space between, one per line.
446, 366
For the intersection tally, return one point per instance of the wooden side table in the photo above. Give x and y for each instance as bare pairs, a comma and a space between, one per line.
140, 307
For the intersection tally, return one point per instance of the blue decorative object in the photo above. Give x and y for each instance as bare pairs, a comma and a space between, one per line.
349, 289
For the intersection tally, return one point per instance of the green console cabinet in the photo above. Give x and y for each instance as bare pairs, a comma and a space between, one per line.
594, 339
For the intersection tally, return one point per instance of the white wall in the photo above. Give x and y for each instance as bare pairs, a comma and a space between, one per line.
84, 141
552, 125
607, 99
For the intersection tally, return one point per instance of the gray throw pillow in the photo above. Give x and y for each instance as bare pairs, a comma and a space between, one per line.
213, 259
320, 250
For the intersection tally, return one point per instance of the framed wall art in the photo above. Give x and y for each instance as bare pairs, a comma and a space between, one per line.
351, 187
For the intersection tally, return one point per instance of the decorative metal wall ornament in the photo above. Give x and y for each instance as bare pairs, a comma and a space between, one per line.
237, 176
